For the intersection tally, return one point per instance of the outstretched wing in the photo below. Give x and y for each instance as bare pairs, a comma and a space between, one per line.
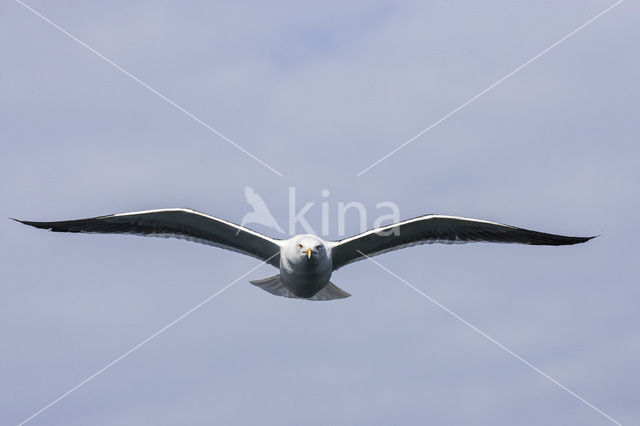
177, 223
431, 229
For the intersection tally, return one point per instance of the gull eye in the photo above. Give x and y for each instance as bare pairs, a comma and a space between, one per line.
318, 247
299, 246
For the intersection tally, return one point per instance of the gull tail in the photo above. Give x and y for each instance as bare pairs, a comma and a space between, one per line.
274, 285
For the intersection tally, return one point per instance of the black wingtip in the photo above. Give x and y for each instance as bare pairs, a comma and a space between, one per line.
40, 225
580, 240
561, 240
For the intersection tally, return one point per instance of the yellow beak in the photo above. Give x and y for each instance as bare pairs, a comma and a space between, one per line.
308, 253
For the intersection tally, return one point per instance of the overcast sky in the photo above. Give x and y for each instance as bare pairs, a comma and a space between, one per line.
319, 92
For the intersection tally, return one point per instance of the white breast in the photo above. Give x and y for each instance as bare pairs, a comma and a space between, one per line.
304, 277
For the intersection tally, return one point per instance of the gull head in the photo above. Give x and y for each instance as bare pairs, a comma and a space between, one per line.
308, 248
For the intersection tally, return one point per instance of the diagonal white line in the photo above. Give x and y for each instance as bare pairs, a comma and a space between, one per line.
494, 341
145, 85
490, 87
139, 345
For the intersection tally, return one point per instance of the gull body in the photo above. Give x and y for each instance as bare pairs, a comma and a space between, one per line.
305, 262
305, 267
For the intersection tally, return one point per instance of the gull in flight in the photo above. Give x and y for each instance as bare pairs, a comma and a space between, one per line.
305, 262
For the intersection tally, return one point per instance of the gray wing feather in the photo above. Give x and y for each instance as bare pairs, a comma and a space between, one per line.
175, 223
431, 229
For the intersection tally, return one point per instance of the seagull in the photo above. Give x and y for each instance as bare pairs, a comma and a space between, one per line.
305, 261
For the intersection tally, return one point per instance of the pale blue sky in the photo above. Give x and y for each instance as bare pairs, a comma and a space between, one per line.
320, 92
